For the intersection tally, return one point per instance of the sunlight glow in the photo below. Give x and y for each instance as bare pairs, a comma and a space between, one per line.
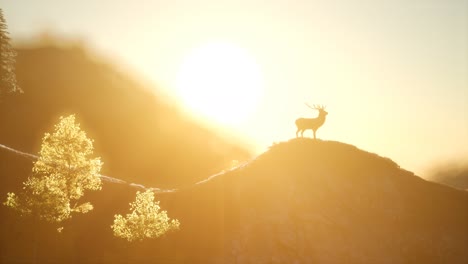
220, 81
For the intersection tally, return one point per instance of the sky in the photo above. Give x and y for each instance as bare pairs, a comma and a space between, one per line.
392, 74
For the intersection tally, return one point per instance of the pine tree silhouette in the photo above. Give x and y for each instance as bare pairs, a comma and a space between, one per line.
8, 82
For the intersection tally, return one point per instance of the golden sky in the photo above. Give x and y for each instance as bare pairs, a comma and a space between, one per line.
393, 74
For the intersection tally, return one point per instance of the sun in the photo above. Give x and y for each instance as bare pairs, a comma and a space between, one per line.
220, 81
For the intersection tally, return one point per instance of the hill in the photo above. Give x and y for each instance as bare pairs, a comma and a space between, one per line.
453, 174
302, 201
139, 135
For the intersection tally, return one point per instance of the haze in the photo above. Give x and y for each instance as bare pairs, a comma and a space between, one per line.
393, 74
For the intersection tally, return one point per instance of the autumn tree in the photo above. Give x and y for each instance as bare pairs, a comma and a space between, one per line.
60, 176
8, 82
145, 221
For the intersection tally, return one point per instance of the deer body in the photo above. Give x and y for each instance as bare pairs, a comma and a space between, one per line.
303, 124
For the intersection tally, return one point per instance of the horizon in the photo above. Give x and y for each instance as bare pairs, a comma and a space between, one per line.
394, 76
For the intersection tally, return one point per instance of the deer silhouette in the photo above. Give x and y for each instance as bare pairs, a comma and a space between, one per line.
303, 124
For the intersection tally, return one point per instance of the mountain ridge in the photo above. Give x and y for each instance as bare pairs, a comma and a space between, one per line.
336, 195
301, 201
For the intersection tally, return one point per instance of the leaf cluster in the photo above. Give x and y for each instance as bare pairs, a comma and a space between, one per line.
145, 220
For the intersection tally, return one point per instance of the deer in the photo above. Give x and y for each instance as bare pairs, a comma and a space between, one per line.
303, 124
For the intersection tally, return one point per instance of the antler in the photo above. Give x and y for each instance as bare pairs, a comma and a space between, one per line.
309, 106
317, 107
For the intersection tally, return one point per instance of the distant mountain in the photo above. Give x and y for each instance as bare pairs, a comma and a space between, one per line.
139, 136
452, 174
302, 201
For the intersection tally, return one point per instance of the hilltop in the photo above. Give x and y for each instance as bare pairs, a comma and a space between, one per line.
307, 201
302, 201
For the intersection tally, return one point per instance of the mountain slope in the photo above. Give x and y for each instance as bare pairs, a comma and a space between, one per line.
302, 201
139, 136
307, 201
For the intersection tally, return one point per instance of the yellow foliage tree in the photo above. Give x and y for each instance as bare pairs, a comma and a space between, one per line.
145, 221
60, 176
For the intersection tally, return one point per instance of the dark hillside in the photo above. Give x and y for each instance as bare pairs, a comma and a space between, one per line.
138, 136
302, 201
307, 201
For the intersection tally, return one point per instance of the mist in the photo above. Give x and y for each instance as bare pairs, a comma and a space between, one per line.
454, 174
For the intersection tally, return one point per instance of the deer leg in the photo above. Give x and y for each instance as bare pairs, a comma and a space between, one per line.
297, 135
314, 135
302, 132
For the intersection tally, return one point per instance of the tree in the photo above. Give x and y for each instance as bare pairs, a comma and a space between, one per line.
8, 82
145, 220
60, 176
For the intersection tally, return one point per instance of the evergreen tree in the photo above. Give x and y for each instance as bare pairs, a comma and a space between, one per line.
8, 82
145, 220
60, 176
